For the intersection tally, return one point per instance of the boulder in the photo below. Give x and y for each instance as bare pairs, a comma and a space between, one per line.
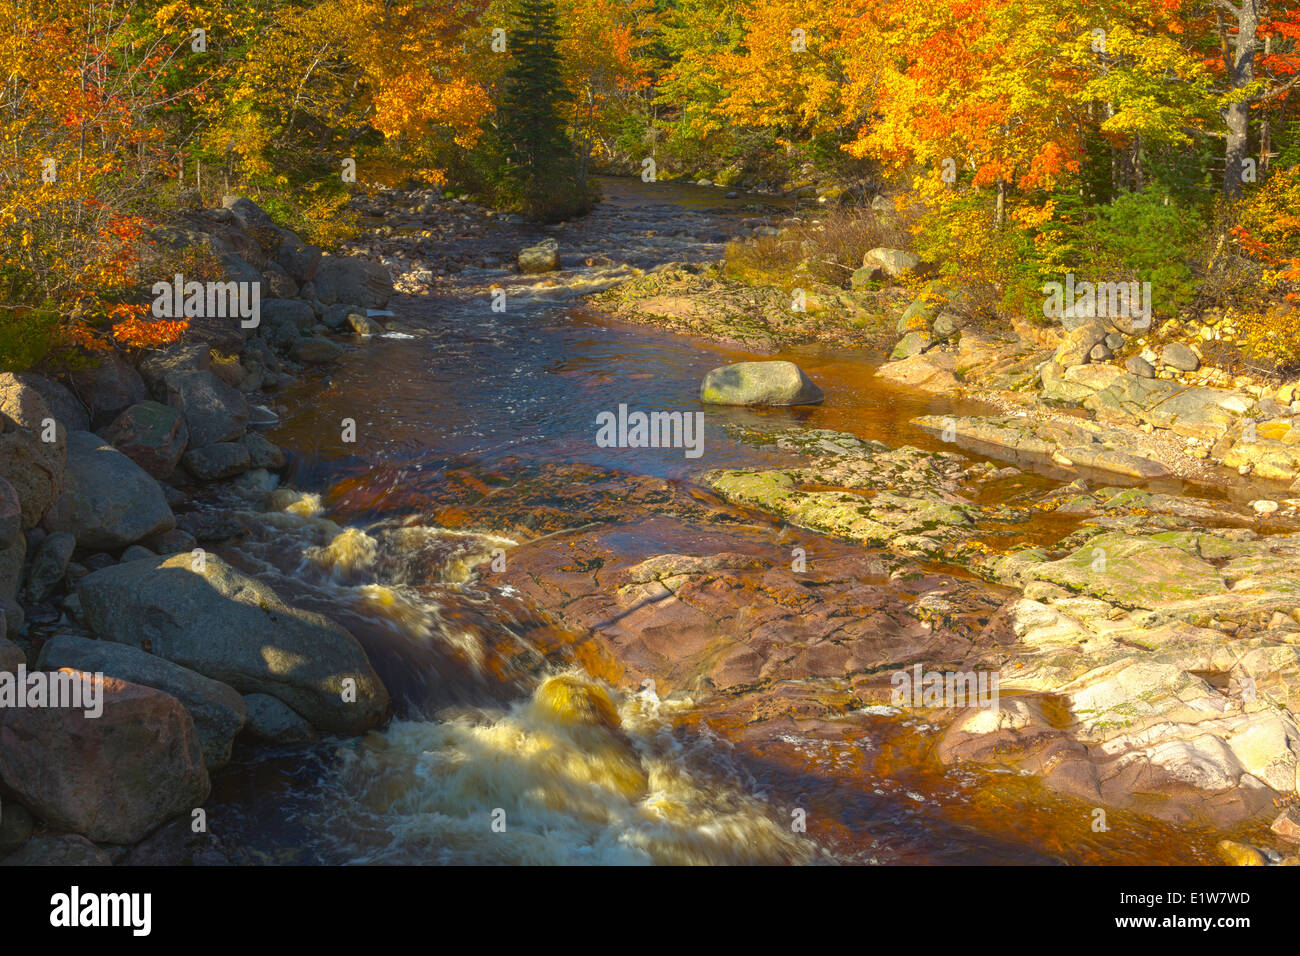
362, 325
217, 709
759, 383
111, 777
1179, 356
1140, 367
891, 262
542, 257
31, 465
108, 386
66, 407
270, 720
108, 501
152, 435
263, 453
300, 259
11, 514
214, 412
349, 279
233, 628
1078, 343
49, 565
315, 351
58, 849
340, 316
157, 366
216, 461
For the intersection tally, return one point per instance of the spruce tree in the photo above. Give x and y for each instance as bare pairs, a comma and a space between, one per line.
541, 166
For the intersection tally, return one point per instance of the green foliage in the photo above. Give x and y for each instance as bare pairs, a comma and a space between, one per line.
1149, 238
26, 336
540, 174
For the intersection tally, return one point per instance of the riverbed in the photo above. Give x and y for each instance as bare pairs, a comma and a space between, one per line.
397, 453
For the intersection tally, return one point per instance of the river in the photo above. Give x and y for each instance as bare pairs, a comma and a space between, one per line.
475, 768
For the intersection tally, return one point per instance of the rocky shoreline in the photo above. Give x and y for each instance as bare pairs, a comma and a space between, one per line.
1163, 625
106, 567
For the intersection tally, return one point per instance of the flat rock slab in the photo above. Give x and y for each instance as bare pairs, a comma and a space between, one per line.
736, 621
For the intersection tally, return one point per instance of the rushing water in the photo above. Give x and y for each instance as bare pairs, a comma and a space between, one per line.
490, 761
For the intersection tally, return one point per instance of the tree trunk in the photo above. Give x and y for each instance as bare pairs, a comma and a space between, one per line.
1241, 71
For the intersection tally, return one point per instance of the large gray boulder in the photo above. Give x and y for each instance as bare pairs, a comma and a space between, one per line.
66, 407
33, 466
152, 435
111, 776
213, 410
349, 279
759, 383
218, 710
233, 628
220, 460
108, 385
108, 501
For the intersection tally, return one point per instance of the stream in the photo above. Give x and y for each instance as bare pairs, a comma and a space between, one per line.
474, 767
